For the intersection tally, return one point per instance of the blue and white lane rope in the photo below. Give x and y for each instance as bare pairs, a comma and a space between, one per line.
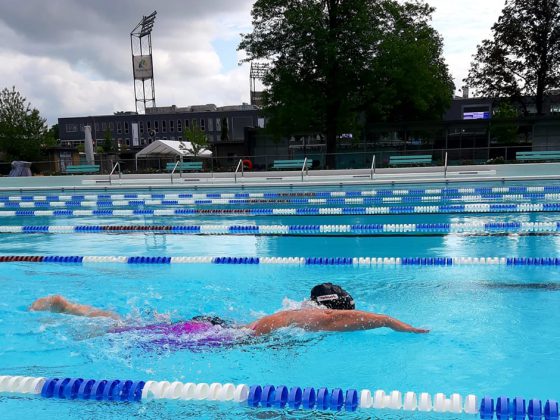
355, 229
305, 211
299, 261
277, 397
551, 189
301, 201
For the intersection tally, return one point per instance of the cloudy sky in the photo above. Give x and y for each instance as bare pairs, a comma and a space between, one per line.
72, 57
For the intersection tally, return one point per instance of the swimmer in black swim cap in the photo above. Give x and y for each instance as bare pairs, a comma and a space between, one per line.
332, 296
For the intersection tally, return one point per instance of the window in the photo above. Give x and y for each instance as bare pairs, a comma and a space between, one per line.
104, 126
164, 126
141, 126
148, 125
218, 124
171, 126
186, 123
210, 124
128, 142
179, 126
142, 141
96, 126
111, 126
126, 127
119, 128
81, 127
71, 128
156, 126
194, 123
202, 124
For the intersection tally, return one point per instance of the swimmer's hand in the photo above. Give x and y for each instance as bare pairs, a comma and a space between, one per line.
419, 331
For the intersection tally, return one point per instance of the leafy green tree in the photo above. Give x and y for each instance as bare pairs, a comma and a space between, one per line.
325, 57
23, 133
197, 139
108, 146
410, 80
504, 127
523, 56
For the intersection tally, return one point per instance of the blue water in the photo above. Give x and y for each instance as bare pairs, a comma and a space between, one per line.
492, 330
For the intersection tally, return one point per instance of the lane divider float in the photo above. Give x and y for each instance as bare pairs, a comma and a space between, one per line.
304, 211
278, 397
384, 192
323, 261
351, 230
104, 203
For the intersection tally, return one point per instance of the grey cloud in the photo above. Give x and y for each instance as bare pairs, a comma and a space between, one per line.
95, 34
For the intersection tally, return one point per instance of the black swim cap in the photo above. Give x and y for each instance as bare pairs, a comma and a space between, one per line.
332, 296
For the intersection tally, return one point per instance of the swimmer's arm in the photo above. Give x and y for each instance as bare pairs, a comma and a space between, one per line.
59, 304
360, 320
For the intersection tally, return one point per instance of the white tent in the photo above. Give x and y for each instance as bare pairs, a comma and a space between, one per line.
171, 148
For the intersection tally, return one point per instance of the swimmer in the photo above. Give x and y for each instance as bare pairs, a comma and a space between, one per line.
334, 310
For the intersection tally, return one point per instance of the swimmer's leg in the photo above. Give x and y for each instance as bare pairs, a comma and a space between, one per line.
60, 304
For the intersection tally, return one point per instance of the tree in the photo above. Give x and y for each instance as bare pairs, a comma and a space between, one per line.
197, 139
325, 57
108, 146
504, 127
22, 130
523, 56
410, 80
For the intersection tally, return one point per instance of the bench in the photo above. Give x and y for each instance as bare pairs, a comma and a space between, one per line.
291, 164
184, 166
410, 159
81, 169
552, 155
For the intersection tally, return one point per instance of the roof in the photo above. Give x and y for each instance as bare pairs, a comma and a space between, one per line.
171, 148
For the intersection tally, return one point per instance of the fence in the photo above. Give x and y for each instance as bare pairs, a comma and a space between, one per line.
354, 159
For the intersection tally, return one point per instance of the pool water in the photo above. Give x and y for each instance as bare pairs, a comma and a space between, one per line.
493, 327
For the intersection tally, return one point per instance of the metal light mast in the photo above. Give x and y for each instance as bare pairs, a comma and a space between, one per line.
257, 72
142, 63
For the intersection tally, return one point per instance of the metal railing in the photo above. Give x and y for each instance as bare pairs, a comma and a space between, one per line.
174, 169
445, 167
117, 165
239, 164
304, 168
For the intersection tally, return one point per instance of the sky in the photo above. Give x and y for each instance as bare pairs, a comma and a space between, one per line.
72, 57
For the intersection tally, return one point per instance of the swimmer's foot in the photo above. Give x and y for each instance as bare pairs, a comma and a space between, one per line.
59, 304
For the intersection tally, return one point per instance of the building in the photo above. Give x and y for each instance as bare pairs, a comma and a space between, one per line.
226, 127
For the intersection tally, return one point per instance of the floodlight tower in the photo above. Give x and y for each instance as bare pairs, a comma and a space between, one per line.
257, 72
142, 63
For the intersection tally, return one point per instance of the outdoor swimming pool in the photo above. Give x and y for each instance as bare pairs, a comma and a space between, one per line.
493, 322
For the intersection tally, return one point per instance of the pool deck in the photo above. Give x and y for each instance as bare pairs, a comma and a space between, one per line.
358, 177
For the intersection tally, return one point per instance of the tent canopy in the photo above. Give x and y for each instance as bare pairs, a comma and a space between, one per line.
169, 148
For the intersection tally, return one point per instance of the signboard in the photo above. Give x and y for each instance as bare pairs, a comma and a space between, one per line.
142, 66
476, 115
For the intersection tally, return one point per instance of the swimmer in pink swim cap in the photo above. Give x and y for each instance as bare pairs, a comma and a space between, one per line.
334, 311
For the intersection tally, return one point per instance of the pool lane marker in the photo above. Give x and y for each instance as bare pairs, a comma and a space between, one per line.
350, 230
303, 211
13, 204
448, 192
277, 397
316, 261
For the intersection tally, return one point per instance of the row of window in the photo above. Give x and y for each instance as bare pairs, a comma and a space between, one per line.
151, 127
